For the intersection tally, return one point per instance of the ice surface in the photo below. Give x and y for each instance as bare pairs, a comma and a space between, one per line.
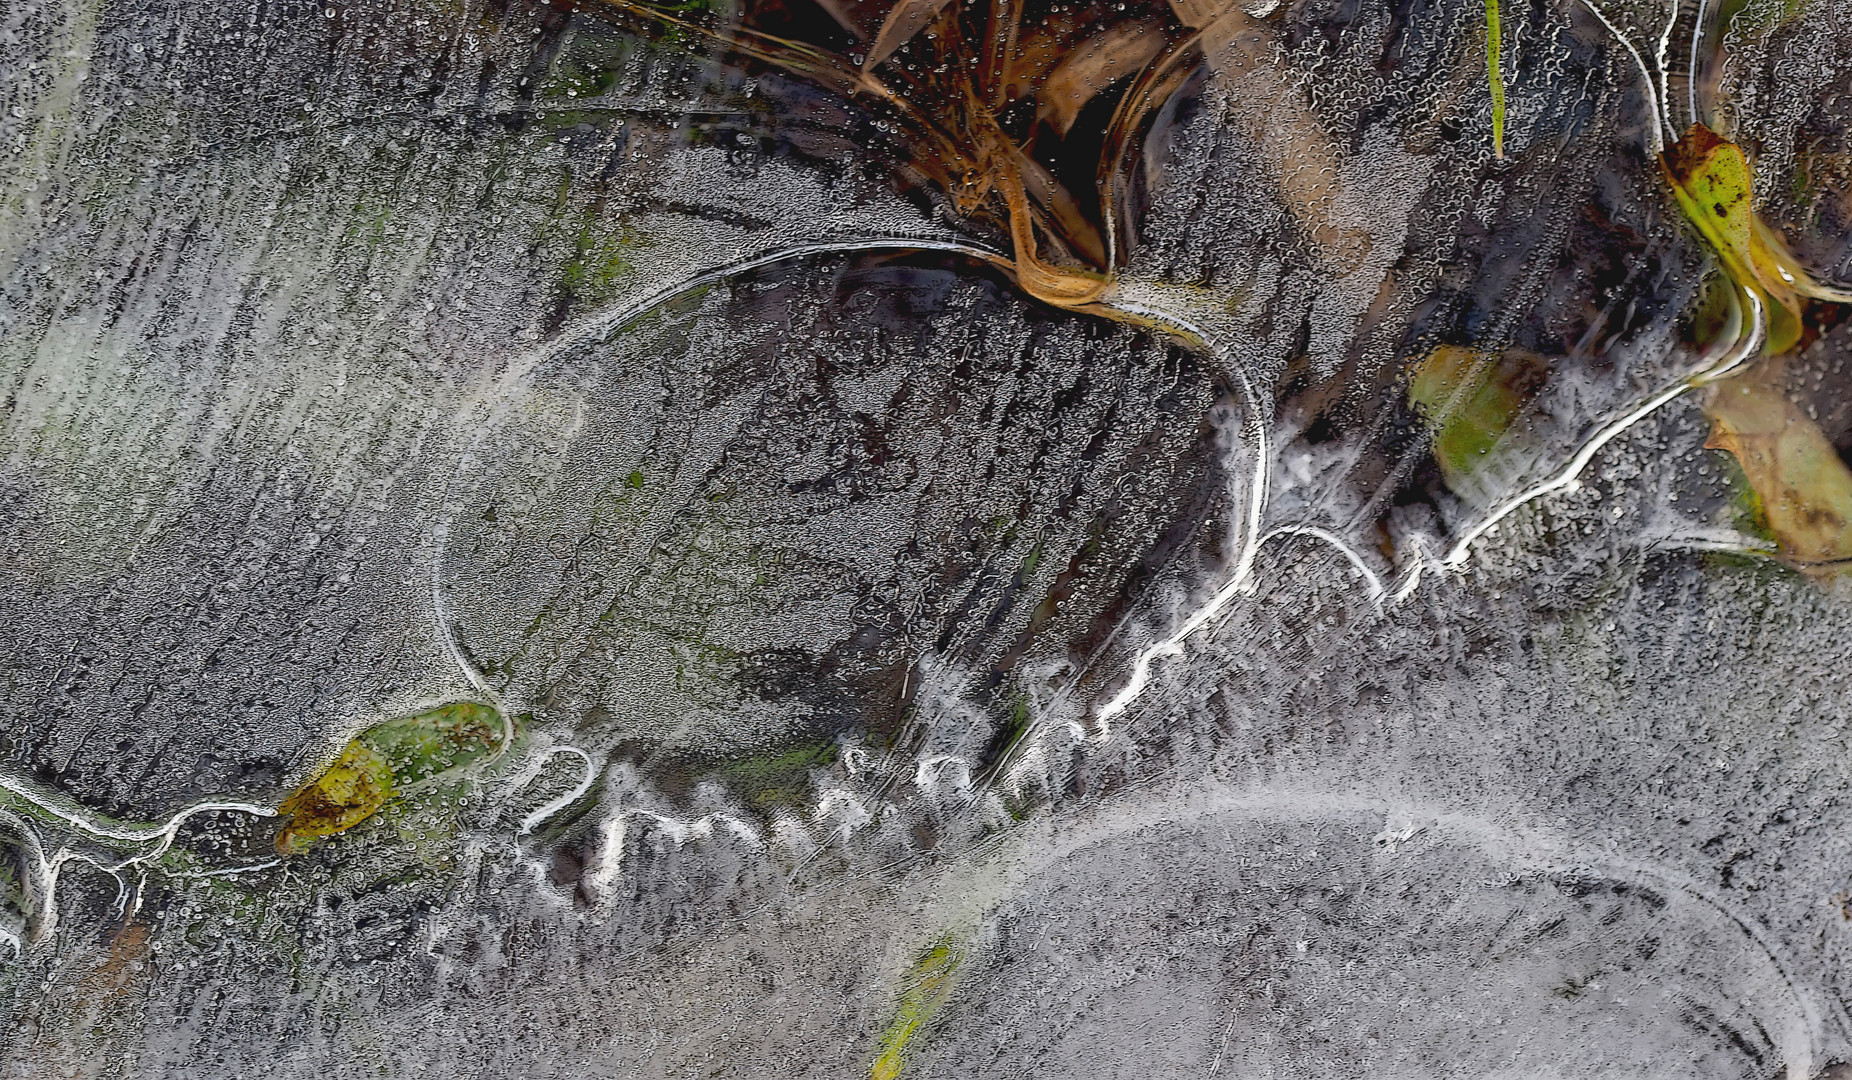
897, 670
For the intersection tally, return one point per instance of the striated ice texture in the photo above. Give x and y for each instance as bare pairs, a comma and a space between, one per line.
892, 672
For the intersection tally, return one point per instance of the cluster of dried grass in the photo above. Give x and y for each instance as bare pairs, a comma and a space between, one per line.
1025, 114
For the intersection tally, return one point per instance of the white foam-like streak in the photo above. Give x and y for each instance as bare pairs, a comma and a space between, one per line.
930, 767
1665, 83
601, 876
1715, 364
44, 871
1715, 367
1257, 497
561, 802
1373, 583
1691, 83
1657, 143
164, 833
1808, 1025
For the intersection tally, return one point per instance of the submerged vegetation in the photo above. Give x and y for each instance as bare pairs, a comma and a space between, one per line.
1026, 116
924, 987
1799, 481
1494, 78
387, 761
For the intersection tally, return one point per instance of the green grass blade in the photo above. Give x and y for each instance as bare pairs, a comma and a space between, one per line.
1496, 80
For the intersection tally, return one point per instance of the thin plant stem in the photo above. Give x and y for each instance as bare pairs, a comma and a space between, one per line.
1494, 78
1691, 83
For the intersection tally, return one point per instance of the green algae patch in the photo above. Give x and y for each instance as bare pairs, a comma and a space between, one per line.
782, 779
420, 747
385, 761
924, 989
601, 258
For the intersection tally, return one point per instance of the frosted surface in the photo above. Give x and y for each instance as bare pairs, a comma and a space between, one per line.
890, 671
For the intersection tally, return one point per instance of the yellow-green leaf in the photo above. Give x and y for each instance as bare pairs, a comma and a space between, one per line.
1711, 182
1471, 398
385, 760
1493, 41
924, 988
342, 796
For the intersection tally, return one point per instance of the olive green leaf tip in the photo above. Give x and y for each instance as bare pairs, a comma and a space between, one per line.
1471, 399
1493, 78
925, 986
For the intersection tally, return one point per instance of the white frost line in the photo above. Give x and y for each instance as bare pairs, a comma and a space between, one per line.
1374, 584
1215, 1066
561, 802
1707, 543
497, 400
447, 631
1412, 579
1250, 541
231, 871
46, 870
610, 860
164, 833
1665, 86
599, 325
929, 767
1652, 94
1732, 355
453, 647
1691, 84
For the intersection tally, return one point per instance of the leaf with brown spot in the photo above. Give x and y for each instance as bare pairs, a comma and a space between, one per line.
393, 758
341, 797
1711, 182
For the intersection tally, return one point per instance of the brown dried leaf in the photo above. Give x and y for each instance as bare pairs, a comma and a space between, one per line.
1000, 51
1804, 488
906, 19
340, 797
1118, 53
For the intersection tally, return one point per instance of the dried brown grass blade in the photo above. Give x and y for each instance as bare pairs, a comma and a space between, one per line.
1000, 51
1108, 57
1064, 211
835, 10
1199, 13
906, 19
